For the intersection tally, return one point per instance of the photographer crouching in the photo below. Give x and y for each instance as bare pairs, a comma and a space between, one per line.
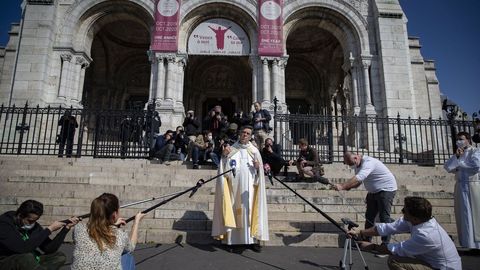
429, 246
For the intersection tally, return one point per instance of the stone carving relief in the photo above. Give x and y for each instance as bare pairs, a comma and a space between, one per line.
295, 81
360, 5
218, 78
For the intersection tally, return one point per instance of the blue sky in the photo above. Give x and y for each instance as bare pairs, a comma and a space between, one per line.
449, 32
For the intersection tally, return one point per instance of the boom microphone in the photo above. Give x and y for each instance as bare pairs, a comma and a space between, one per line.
350, 223
197, 186
268, 172
233, 166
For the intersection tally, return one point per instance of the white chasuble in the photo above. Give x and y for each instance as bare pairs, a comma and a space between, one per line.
240, 214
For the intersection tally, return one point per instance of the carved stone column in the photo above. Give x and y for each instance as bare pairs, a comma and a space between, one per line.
254, 63
160, 78
353, 72
282, 64
169, 94
153, 75
266, 80
170, 78
366, 62
77, 70
82, 81
64, 76
274, 78
181, 62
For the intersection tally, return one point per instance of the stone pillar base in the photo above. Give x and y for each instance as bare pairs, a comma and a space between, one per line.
171, 113
356, 111
370, 110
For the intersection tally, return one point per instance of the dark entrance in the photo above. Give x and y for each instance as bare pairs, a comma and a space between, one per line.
228, 106
217, 80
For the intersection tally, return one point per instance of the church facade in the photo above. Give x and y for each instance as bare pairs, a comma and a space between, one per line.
342, 57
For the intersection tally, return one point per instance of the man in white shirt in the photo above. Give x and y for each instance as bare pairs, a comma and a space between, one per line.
429, 246
378, 181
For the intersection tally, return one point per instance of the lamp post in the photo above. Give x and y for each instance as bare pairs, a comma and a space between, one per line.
451, 110
275, 108
476, 127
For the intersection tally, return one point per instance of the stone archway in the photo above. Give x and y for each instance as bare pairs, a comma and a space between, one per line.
220, 76
119, 75
314, 70
321, 44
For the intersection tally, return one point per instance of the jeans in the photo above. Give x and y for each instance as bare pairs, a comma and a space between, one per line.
196, 152
379, 203
215, 158
165, 153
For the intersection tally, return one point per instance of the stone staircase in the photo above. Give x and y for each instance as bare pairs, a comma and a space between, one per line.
67, 186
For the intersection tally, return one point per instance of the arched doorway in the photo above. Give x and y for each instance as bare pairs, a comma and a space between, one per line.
218, 72
314, 72
319, 43
218, 80
119, 75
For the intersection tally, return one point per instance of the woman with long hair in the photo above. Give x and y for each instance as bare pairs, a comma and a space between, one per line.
99, 244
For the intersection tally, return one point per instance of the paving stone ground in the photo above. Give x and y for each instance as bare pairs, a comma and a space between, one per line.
195, 257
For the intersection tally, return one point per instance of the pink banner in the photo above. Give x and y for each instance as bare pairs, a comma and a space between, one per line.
165, 32
270, 36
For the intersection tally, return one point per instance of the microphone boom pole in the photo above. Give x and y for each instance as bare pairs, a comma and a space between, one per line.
193, 189
125, 205
312, 205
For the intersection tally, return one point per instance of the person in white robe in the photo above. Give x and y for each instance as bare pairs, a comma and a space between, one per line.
240, 213
466, 166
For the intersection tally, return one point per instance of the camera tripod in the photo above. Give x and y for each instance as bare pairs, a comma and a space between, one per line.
347, 248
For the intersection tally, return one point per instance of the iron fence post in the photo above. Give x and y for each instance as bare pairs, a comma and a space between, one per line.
22, 128
81, 127
344, 135
97, 128
400, 150
275, 104
330, 138
451, 110
151, 141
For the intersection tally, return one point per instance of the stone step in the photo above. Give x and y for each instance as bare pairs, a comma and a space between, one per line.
185, 179
330, 169
76, 168
67, 186
137, 192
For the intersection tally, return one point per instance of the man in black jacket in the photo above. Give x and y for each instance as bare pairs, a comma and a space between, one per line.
191, 125
24, 244
67, 124
271, 155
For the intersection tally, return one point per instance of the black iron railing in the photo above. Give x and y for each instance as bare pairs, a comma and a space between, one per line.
129, 134
76, 132
392, 140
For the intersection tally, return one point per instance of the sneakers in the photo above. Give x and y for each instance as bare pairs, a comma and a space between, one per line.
195, 166
381, 255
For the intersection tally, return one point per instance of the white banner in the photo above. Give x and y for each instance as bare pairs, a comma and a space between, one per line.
218, 37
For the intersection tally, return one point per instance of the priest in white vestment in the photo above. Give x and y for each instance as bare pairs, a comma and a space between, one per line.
466, 166
240, 215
